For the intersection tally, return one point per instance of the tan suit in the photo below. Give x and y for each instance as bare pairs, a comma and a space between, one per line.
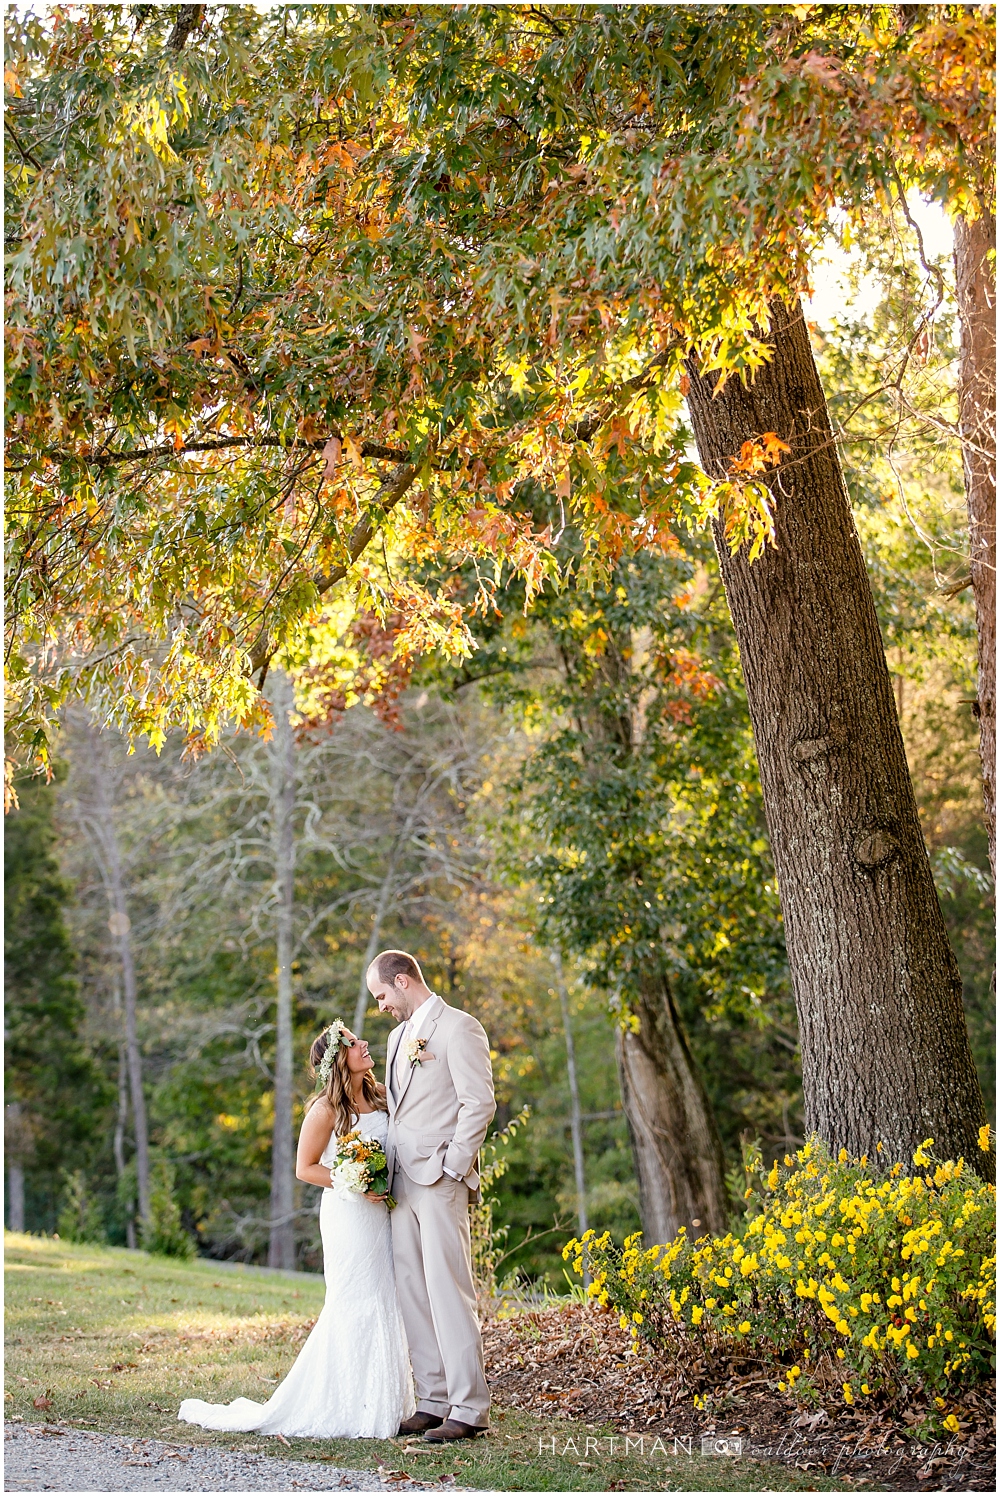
439, 1111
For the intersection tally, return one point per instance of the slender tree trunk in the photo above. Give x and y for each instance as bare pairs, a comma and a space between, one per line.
975, 280
885, 1053
118, 1142
575, 1115
13, 1132
679, 1159
15, 1197
281, 1246
372, 948
121, 928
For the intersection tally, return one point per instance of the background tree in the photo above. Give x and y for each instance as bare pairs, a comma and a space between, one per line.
56, 1099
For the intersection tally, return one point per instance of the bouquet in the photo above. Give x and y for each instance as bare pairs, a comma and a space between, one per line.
362, 1168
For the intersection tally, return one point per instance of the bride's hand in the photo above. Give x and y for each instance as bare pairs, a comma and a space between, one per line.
379, 1199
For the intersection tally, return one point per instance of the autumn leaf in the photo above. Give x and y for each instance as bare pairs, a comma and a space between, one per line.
773, 447
416, 341
331, 457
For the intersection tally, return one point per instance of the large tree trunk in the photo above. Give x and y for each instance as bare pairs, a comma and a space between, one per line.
975, 280
281, 1246
678, 1155
885, 1053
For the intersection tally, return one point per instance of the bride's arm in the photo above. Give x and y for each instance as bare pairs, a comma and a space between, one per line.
316, 1131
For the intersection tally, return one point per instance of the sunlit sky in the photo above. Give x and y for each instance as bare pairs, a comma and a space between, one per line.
832, 295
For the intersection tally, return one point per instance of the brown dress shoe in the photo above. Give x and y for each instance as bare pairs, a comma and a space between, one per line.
452, 1430
419, 1424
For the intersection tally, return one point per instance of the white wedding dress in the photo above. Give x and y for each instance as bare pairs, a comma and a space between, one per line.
352, 1377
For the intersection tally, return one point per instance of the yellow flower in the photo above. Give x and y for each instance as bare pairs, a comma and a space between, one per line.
866, 1389
984, 1139
911, 1350
744, 1328
848, 1394
951, 1423
637, 1319
696, 1314
623, 1321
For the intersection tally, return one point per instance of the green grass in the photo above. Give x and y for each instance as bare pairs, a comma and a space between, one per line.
116, 1339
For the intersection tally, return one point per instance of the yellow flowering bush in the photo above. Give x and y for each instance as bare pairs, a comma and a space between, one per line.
890, 1279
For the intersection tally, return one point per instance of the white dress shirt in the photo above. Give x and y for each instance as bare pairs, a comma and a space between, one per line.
413, 1029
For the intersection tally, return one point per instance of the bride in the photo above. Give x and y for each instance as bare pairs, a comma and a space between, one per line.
352, 1377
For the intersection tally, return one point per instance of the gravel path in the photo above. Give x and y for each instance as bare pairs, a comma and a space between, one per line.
44, 1457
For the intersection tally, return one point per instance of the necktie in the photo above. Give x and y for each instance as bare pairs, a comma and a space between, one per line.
402, 1062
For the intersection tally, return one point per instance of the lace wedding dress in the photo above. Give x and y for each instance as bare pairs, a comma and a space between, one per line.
352, 1377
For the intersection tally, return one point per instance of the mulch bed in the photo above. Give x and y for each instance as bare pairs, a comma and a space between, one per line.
575, 1363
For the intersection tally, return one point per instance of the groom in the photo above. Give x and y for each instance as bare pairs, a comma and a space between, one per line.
439, 1083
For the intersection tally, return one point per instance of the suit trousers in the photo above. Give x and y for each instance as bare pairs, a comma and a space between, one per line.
432, 1251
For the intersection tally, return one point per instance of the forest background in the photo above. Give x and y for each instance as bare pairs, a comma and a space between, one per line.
446, 803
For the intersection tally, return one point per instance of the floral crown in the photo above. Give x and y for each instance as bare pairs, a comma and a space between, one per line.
336, 1031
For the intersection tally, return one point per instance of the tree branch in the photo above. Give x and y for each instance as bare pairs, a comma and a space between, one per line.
387, 497
220, 444
189, 17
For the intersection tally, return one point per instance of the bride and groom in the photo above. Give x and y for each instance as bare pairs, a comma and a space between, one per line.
399, 1286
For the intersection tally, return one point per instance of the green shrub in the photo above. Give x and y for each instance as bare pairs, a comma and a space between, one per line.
879, 1282
163, 1232
80, 1216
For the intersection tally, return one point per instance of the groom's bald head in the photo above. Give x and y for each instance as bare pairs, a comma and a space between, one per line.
397, 984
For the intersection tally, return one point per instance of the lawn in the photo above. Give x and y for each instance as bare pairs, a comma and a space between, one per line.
113, 1340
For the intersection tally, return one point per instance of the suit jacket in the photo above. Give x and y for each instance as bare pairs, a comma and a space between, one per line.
439, 1117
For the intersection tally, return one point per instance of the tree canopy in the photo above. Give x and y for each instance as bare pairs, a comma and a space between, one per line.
289, 286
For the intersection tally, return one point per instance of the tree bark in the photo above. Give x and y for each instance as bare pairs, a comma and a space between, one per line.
575, 1115
885, 1052
281, 1245
372, 948
118, 1141
975, 280
15, 1197
120, 926
678, 1155
14, 1131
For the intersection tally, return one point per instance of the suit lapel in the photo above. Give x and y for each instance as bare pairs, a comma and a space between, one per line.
430, 1026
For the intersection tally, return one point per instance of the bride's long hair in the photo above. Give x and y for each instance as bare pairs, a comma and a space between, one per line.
338, 1090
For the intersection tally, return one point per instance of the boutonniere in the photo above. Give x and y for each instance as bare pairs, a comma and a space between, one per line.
415, 1051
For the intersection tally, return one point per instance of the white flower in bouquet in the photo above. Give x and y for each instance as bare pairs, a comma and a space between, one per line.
351, 1176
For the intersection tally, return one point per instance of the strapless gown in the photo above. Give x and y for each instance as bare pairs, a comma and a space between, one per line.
352, 1378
